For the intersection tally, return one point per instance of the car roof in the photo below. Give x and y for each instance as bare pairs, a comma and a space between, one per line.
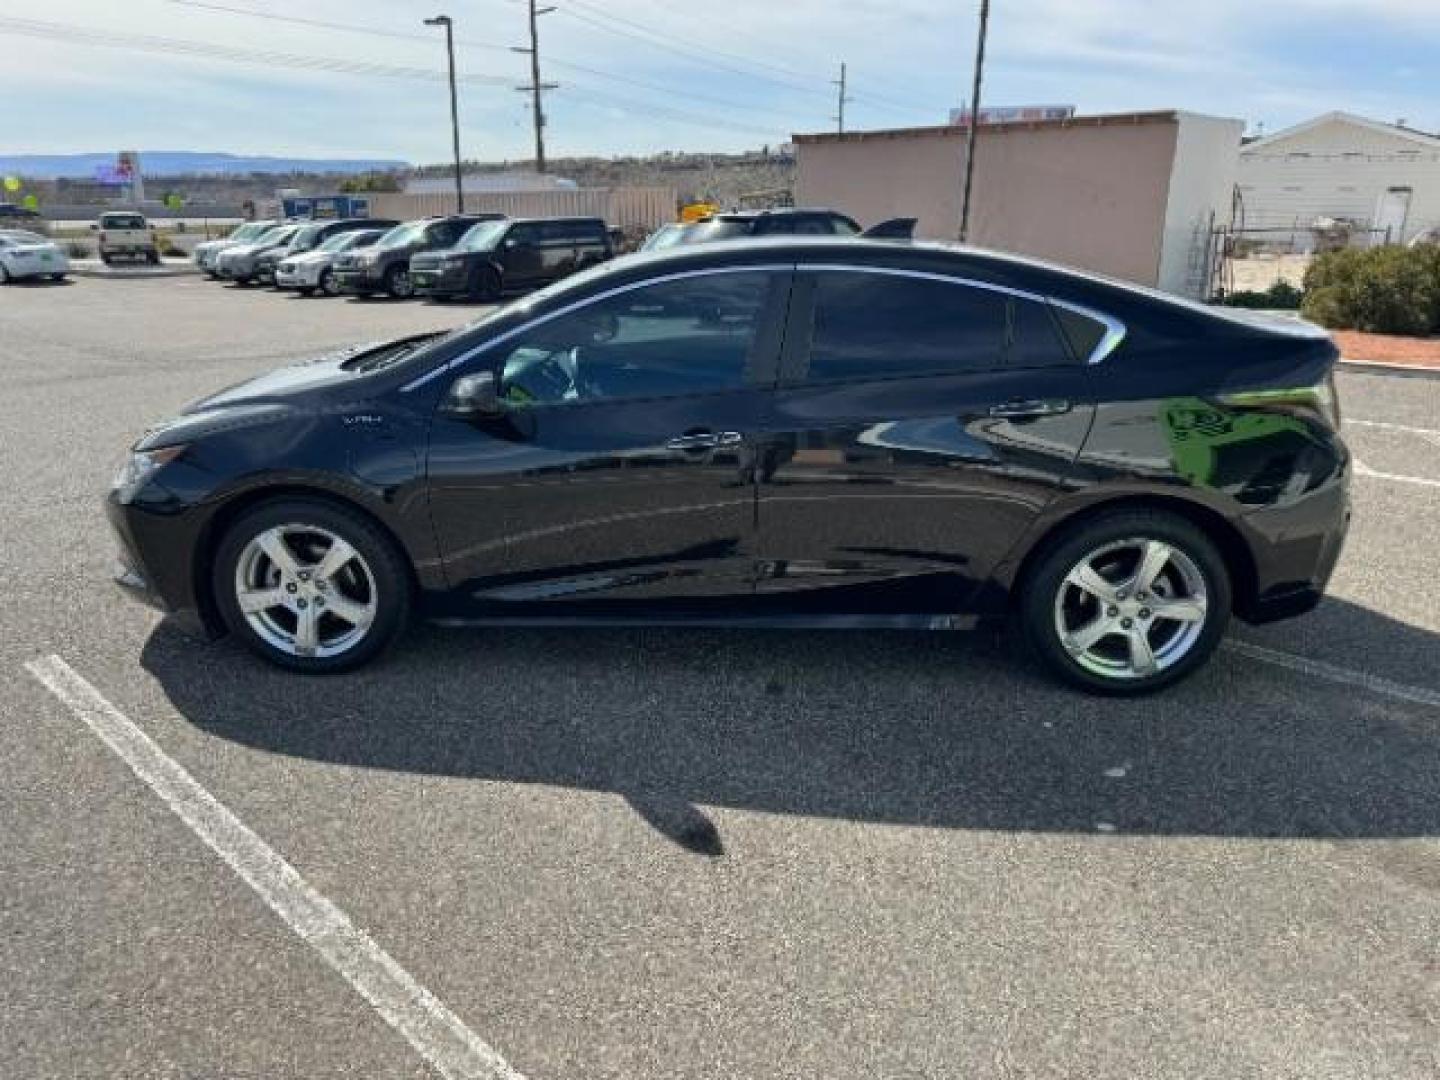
775, 211
1123, 300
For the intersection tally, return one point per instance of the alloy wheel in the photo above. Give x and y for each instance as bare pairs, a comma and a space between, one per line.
305, 590
1131, 608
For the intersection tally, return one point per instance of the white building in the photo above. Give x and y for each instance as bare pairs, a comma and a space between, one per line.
1380, 176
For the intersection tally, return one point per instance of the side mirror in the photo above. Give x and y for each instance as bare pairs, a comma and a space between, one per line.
94, 226
473, 397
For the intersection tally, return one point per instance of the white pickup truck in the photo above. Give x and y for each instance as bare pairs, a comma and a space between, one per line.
126, 233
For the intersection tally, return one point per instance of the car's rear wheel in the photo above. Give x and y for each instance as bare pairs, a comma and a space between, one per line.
310, 586
57, 277
398, 283
1127, 603
4, 275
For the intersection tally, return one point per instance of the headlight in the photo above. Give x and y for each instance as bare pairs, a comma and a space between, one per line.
139, 467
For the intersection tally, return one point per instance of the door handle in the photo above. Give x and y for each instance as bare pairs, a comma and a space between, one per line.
1018, 408
704, 440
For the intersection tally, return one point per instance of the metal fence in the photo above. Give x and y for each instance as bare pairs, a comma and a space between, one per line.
633, 209
1252, 259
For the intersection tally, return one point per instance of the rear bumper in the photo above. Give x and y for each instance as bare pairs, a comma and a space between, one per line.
1295, 548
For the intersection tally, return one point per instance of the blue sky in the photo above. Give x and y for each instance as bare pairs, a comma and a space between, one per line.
767, 75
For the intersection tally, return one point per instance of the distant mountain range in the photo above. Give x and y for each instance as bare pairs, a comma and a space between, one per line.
175, 162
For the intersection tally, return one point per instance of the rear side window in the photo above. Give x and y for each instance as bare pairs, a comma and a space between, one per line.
1034, 339
1082, 333
447, 232
880, 326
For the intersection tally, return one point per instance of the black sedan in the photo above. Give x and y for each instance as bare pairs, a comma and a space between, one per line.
831, 432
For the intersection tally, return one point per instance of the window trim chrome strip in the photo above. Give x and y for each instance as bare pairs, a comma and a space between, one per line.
595, 298
1115, 330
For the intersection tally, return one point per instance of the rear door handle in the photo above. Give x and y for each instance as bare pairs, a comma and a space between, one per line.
1018, 408
704, 440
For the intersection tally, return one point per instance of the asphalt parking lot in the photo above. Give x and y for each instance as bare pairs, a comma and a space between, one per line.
654, 853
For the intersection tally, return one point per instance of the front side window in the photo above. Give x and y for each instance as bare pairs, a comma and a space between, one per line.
690, 335
401, 235
880, 326
483, 237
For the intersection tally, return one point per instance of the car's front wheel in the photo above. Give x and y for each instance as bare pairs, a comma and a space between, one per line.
311, 586
398, 283
1127, 603
4, 275
328, 284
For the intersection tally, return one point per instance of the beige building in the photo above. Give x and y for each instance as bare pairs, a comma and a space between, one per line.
1381, 177
1134, 195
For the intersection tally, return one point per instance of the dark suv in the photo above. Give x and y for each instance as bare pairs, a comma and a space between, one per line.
310, 236
499, 256
385, 266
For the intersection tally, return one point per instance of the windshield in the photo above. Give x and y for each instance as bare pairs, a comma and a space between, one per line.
483, 237
304, 238
664, 237
343, 240
402, 235
20, 236
719, 229
250, 230
278, 236
122, 221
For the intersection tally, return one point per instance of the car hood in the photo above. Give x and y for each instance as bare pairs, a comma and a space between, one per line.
263, 399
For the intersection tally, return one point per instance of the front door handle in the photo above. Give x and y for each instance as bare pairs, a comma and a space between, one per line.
704, 440
1018, 408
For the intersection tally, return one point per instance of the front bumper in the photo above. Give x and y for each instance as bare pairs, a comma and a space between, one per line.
165, 581
358, 280
235, 269
440, 280
301, 277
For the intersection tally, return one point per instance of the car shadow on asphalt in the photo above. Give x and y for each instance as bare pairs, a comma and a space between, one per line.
942, 730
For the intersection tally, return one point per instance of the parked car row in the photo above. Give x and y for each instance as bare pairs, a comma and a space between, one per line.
478, 256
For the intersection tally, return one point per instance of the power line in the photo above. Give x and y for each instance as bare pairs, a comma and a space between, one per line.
694, 55
792, 78
468, 43
79, 35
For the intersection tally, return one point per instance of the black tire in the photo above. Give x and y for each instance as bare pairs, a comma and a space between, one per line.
1046, 579
4, 275
328, 285
386, 563
398, 283
57, 277
306, 290
105, 258
153, 258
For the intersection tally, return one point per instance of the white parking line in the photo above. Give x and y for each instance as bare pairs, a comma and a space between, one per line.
1361, 469
1418, 695
1385, 425
432, 1029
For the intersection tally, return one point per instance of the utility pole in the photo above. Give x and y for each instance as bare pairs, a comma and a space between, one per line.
839, 116
448, 24
974, 121
536, 89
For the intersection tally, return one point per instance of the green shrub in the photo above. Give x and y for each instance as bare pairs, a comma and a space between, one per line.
1385, 290
1280, 296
